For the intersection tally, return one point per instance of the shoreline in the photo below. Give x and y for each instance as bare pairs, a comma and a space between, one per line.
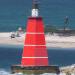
52, 41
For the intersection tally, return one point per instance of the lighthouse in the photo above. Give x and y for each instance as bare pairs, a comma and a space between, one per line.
35, 52
35, 56
35, 9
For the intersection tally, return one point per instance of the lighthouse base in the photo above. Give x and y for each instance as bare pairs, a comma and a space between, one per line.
35, 69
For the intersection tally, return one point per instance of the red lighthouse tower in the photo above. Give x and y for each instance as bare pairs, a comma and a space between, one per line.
35, 52
35, 56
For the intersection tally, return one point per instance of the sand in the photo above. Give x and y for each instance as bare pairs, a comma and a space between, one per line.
60, 41
52, 41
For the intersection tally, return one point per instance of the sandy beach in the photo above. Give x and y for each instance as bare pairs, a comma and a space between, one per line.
52, 41
60, 41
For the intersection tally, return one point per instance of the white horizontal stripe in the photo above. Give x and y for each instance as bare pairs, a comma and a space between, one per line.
34, 57
33, 33
34, 45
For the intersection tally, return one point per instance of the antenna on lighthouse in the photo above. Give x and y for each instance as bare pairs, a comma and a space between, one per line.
35, 11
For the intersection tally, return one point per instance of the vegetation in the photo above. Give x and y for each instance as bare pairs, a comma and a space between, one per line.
50, 28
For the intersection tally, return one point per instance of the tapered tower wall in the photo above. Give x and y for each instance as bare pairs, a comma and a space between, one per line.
35, 52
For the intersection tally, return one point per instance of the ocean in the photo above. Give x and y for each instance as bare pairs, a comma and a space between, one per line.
11, 55
14, 13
